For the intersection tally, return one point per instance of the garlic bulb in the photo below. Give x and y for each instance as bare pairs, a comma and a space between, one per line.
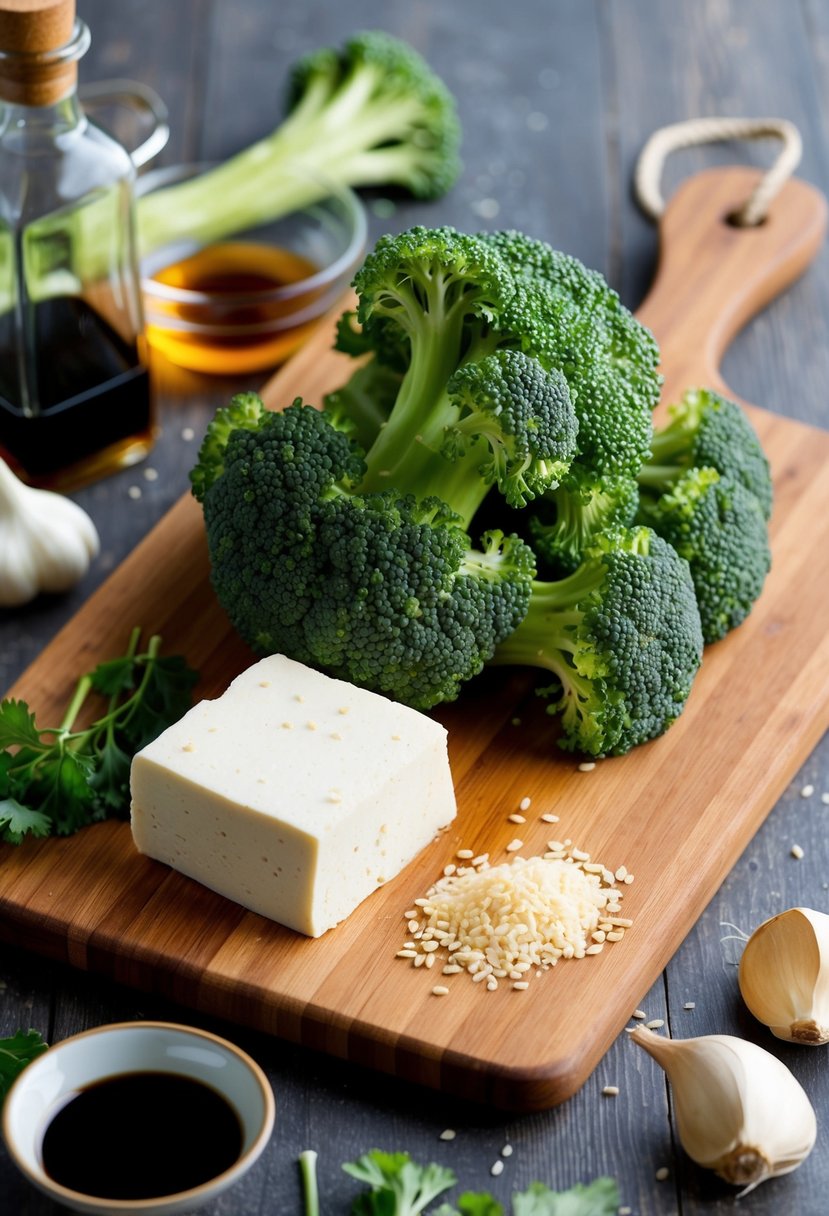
784, 975
739, 1111
46, 541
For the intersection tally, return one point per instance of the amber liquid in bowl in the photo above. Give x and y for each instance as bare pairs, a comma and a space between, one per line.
236, 331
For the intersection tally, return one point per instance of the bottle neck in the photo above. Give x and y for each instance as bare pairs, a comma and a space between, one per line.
49, 121
42, 79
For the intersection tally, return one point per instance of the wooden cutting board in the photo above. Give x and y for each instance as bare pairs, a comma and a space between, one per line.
676, 812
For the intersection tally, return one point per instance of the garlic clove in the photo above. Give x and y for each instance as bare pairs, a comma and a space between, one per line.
739, 1111
784, 975
46, 541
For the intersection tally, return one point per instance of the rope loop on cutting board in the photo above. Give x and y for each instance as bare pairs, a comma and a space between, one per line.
648, 173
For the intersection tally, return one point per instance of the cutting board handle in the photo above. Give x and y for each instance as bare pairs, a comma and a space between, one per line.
713, 277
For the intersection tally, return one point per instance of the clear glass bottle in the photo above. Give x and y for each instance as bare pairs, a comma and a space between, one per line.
74, 387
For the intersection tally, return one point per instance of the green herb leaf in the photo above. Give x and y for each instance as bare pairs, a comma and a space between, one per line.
598, 1198
15, 1054
17, 821
165, 695
111, 779
17, 726
399, 1186
114, 676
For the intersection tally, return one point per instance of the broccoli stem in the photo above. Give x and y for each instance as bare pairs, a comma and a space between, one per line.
308, 1171
546, 635
659, 476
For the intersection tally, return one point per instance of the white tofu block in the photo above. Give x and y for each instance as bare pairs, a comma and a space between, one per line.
294, 794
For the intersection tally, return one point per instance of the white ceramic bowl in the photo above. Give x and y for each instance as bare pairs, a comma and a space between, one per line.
126, 1047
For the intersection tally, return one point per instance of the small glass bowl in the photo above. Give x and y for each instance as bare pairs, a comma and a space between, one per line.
247, 302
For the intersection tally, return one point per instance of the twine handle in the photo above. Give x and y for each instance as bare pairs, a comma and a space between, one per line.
648, 172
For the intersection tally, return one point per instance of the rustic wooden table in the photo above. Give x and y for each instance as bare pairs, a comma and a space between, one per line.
556, 99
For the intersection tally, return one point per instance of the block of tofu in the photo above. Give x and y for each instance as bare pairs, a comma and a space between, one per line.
294, 794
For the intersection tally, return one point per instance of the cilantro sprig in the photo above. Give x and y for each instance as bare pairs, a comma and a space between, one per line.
400, 1187
58, 779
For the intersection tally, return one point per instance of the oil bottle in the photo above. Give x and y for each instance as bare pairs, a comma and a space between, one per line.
74, 387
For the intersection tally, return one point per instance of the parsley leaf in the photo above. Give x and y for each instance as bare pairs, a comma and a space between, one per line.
399, 1187
15, 1054
598, 1198
59, 779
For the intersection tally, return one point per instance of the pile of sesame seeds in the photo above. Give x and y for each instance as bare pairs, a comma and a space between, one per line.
510, 921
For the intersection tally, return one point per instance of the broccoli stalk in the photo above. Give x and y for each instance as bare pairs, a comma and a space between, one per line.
566, 521
622, 637
373, 113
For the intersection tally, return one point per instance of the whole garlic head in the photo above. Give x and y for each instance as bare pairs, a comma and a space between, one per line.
784, 975
739, 1110
46, 541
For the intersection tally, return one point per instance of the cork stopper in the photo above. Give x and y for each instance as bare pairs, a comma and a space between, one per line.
33, 33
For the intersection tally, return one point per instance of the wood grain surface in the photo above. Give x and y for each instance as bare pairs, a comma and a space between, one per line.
676, 812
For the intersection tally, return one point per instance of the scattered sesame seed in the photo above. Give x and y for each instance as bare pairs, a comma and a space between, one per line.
690, 1005
188, 434
335, 734
407, 953
429, 946
550, 818
616, 935
520, 985
480, 860
621, 873
151, 474
825, 798
465, 854
413, 925
625, 1211
627, 880
610, 1091
807, 791
448, 870
412, 912
287, 726
506, 1151
187, 747
449, 1133
516, 818
440, 990
334, 797
639, 1014
298, 696
525, 804
655, 1023
662, 1173
496, 1168
343, 709
311, 725
595, 949
797, 852
586, 766
515, 845
396, 738
134, 491
430, 958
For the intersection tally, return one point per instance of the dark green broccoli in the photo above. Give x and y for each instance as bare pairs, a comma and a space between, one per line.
708, 431
608, 357
370, 114
622, 637
564, 522
476, 405
718, 526
381, 589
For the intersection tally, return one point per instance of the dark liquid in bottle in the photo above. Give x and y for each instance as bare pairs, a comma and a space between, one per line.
141, 1135
93, 392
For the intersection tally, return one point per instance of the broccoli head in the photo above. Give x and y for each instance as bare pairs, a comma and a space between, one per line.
709, 431
622, 637
718, 526
380, 588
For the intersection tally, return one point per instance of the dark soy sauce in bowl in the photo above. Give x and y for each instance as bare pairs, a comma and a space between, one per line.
141, 1135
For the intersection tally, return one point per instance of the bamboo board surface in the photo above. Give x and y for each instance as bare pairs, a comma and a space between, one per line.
677, 812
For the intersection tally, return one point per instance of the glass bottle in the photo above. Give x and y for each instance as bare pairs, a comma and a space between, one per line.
74, 387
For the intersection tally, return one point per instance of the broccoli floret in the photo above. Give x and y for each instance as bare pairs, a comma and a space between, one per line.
473, 408
718, 526
709, 431
564, 522
523, 415
622, 637
370, 114
608, 357
378, 588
